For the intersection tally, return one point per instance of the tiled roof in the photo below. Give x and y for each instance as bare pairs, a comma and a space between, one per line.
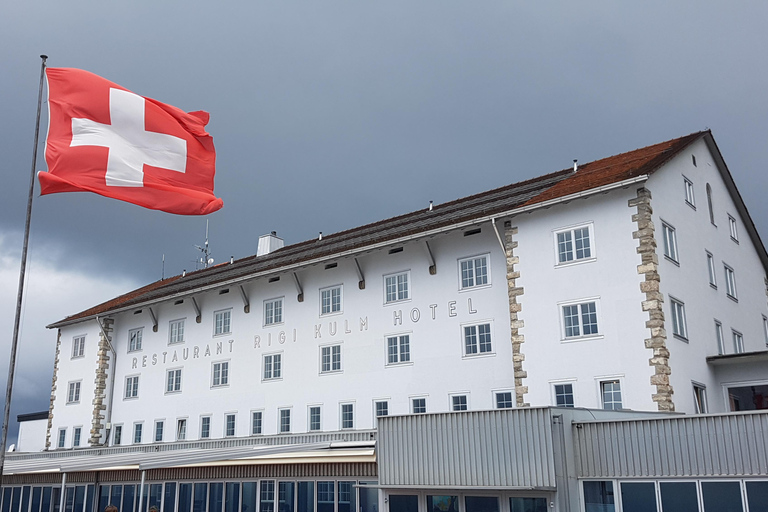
479, 206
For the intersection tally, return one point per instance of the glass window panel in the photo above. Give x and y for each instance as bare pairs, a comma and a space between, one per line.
55, 496
79, 499
116, 496
757, 496
347, 497
403, 503
130, 500
369, 497
215, 497
481, 504
528, 505
26, 490
267, 496
69, 499
325, 496
200, 497
564, 395
45, 506
306, 497
285, 495
721, 496
679, 497
185, 497
89, 495
598, 496
564, 247
36, 498
249, 497
638, 497
442, 504
169, 499
571, 321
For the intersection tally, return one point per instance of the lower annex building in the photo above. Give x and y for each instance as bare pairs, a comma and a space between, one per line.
295, 378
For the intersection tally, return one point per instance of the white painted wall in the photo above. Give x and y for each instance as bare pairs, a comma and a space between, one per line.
31, 436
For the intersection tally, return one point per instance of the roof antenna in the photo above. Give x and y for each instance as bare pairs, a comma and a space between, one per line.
575, 165
162, 274
205, 259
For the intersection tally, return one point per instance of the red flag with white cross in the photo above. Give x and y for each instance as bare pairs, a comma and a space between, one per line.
103, 138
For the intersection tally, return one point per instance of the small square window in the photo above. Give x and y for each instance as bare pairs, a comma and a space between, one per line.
347, 416
220, 374
229, 425
738, 342
398, 349
159, 427
679, 327
273, 366
257, 418
205, 427
474, 271
382, 408
732, 228
580, 320
711, 269
477, 339
459, 402
118, 435
285, 420
700, 398
314, 418
62, 438
573, 245
330, 359
504, 400
78, 346
330, 300
181, 429
689, 192
173, 381
730, 282
222, 322
610, 393
564, 395
76, 436
670, 242
273, 311
137, 431
176, 332
134, 339
419, 405
73, 394
396, 287
131, 387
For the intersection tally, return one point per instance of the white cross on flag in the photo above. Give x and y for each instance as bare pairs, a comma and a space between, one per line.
105, 139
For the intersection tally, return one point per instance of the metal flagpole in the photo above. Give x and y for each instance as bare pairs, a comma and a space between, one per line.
20, 296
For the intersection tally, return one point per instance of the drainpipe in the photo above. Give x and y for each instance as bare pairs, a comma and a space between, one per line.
498, 236
111, 381
63, 491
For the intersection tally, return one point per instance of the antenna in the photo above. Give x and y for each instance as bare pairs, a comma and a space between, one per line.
205, 260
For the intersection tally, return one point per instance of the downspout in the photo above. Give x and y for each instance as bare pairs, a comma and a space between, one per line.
111, 382
498, 236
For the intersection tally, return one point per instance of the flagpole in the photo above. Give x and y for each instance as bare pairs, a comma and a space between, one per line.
20, 296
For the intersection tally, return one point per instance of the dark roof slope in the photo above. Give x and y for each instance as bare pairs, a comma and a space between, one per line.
479, 206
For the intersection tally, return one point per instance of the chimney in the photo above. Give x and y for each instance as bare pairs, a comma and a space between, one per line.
269, 243
575, 165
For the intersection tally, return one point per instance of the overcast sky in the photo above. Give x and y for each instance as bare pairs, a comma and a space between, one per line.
328, 115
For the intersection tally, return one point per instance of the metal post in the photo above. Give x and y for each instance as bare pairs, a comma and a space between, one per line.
63, 491
141, 491
20, 296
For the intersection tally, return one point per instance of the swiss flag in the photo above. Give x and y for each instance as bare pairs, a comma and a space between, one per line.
103, 138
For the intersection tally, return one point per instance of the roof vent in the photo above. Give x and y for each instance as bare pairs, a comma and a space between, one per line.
430, 206
575, 165
269, 243
320, 236
231, 260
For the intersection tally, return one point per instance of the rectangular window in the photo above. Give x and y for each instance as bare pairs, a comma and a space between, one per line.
173, 381
738, 342
285, 420
765, 329
504, 400
134, 339
719, 337
711, 268
474, 271
229, 425
330, 359
398, 349
325, 497
564, 395
419, 405
459, 403
73, 395
330, 300
730, 282
573, 245
62, 438
137, 431
131, 387
222, 323
347, 416
267, 498
396, 287
700, 398
382, 408
670, 242
159, 431
76, 436
273, 366
598, 495
610, 393
78, 346
256, 422
314, 418
273, 311
580, 320
732, 228
679, 327
477, 339
118, 435
220, 375
689, 192
181, 429
176, 332
205, 427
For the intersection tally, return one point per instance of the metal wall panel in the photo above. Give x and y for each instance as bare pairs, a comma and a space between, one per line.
687, 446
501, 448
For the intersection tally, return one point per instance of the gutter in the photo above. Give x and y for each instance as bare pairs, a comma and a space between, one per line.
351, 252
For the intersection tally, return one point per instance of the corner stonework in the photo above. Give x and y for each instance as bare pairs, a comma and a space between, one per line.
515, 323
53, 391
654, 299
99, 394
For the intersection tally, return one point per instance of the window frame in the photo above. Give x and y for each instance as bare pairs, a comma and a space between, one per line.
398, 338
226, 322
173, 389
710, 205
330, 347
310, 417
138, 432
78, 346
135, 345
455, 400
178, 336
733, 228
602, 381
270, 320
61, 439
765, 329
159, 428
730, 282
181, 435
275, 370
134, 394
376, 402
347, 423
413, 400
257, 422
227, 417
711, 270
738, 341
330, 289
555, 395
477, 343
677, 312
497, 394
564, 338
700, 405
205, 426
117, 436
571, 230
74, 387
669, 237
474, 259
281, 414
690, 198
719, 338
407, 287
77, 432
223, 380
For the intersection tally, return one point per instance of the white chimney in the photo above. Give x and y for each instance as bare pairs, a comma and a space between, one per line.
269, 243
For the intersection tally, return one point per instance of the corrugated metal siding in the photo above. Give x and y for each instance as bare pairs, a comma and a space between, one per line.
502, 448
711, 445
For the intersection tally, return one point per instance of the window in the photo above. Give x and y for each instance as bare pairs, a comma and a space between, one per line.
159, 426
459, 403
205, 427
267, 498
76, 436
118, 435
396, 287
504, 400
709, 204
670, 242
765, 329
580, 319
610, 393
137, 431
711, 268
573, 245
78, 346
256, 422
314, 418
382, 408
220, 375
325, 497
398, 349
330, 300
347, 416
700, 398
732, 228
176, 332
229, 425
273, 367
222, 323
62, 437
73, 395
173, 381
679, 327
134, 339
719, 336
419, 405
689, 192
474, 271
563, 395
477, 339
181, 429
738, 342
730, 282
285, 420
273, 311
330, 359
132, 386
